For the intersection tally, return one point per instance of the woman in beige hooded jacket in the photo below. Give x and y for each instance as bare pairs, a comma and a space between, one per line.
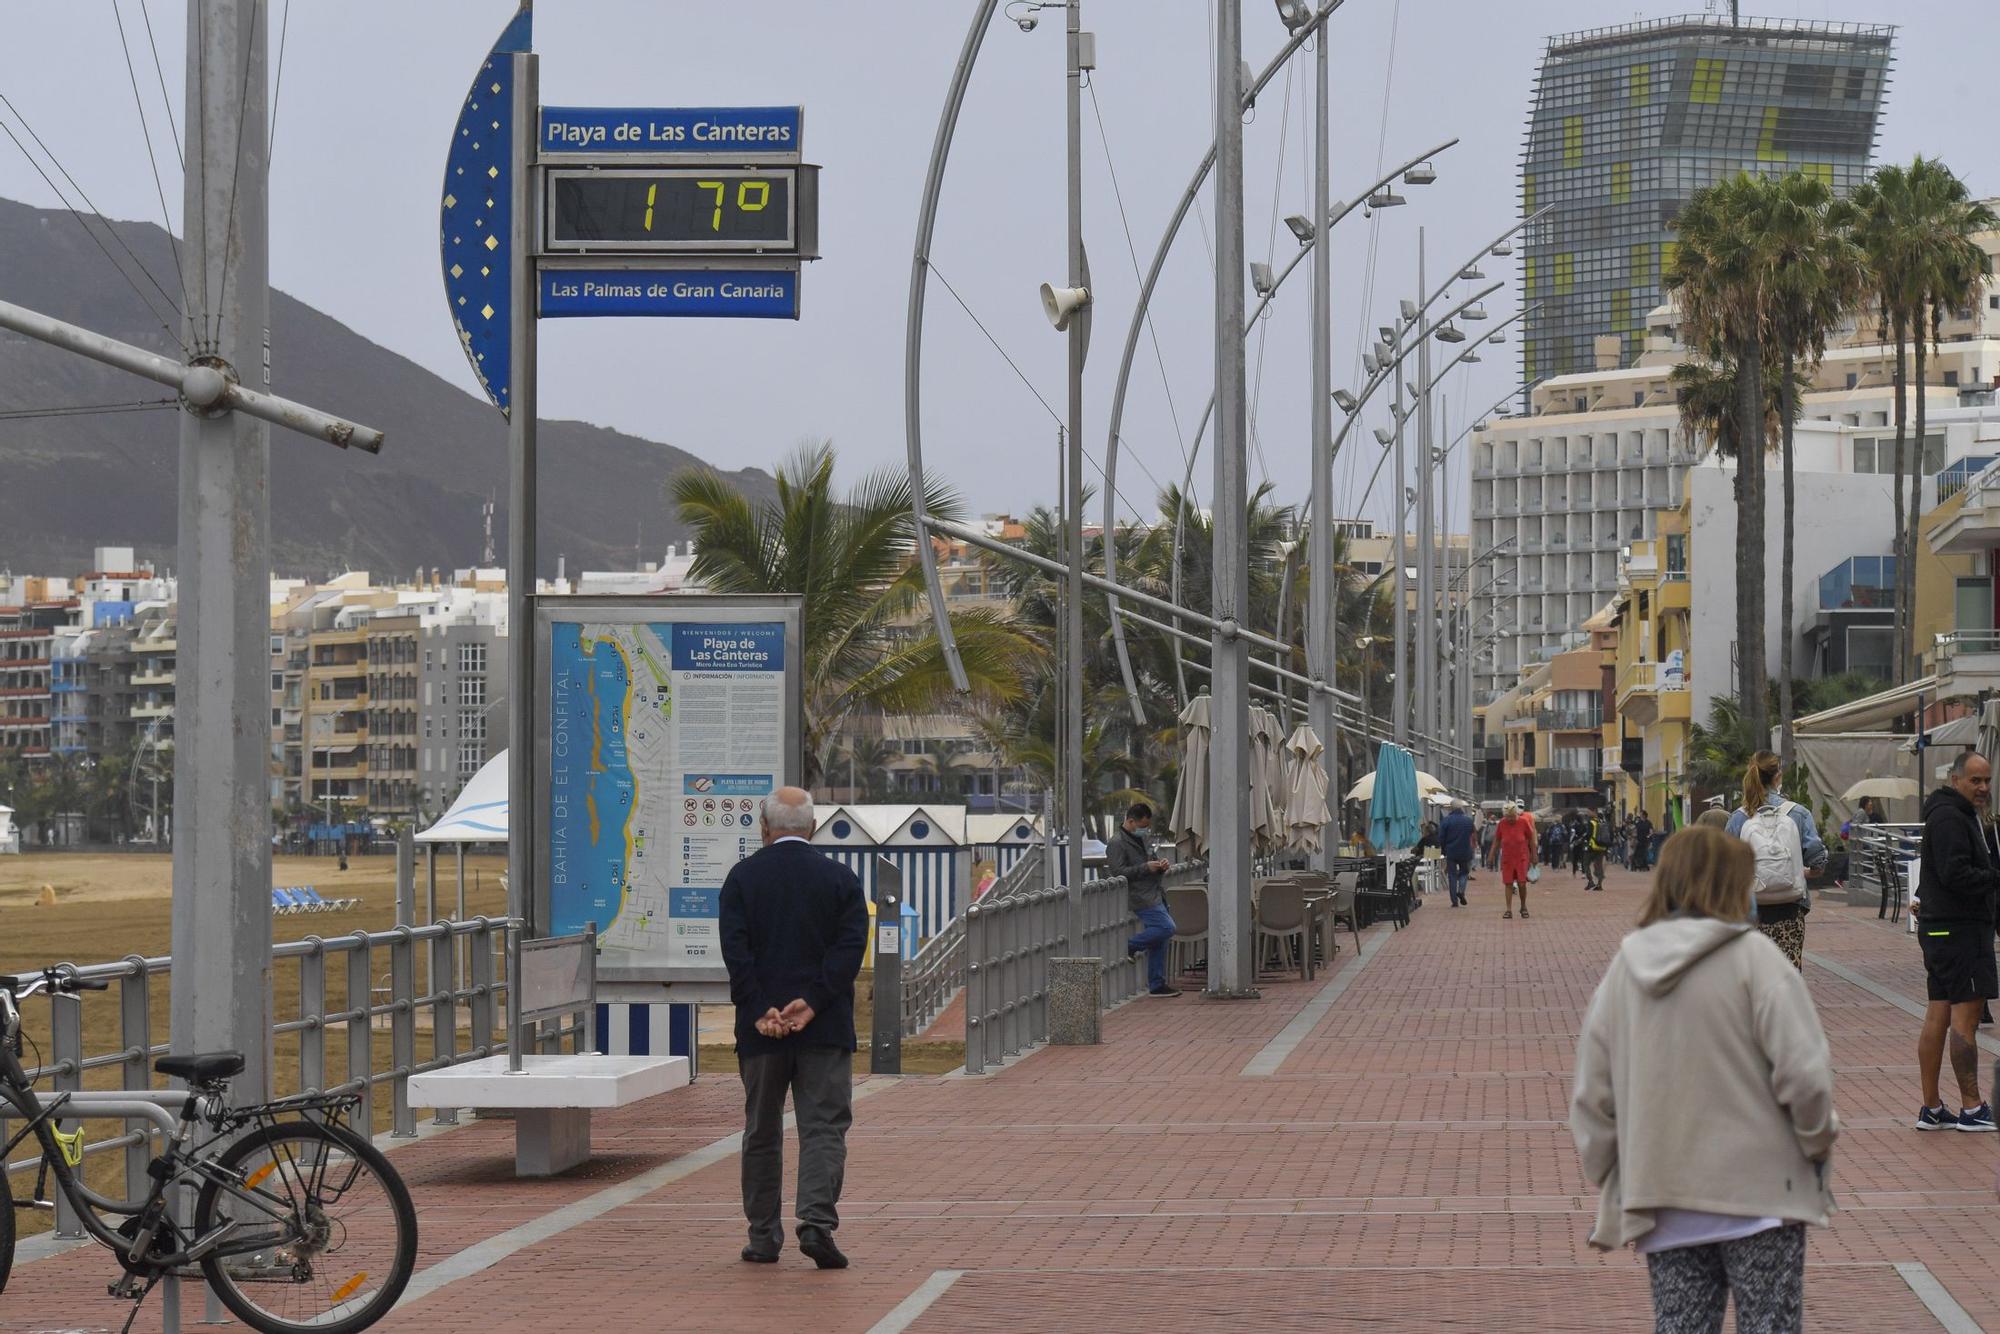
1703, 1108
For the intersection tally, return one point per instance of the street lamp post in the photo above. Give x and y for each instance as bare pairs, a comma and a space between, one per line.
1232, 971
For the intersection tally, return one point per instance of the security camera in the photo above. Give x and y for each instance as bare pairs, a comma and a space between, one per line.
1027, 22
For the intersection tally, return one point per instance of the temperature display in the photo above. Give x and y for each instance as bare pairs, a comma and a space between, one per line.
694, 210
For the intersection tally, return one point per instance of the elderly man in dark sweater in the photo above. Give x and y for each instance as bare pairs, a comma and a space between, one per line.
1130, 854
794, 928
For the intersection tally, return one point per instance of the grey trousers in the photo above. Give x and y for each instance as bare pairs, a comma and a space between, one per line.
821, 1082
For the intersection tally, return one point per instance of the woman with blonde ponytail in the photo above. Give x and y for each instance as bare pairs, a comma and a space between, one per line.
1788, 848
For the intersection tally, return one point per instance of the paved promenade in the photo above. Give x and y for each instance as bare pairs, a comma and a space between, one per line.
1384, 1147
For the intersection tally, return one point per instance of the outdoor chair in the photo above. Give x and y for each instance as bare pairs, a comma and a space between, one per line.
1342, 911
1188, 906
1895, 892
1281, 921
1392, 901
282, 902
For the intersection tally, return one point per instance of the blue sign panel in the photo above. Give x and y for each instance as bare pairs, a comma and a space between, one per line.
476, 214
758, 294
739, 130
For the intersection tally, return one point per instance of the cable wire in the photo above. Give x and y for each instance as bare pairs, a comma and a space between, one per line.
1022, 375
87, 409
138, 103
1132, 249
95, 239
278, 84
236, 171
160, 72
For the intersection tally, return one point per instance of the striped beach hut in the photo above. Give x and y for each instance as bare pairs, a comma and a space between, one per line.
926, 842
1002, 839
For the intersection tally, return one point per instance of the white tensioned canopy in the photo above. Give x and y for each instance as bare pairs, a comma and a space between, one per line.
480, 813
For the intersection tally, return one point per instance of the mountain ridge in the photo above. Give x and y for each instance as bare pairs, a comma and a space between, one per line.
70, 483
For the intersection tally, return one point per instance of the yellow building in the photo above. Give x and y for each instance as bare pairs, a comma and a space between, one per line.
1653, 705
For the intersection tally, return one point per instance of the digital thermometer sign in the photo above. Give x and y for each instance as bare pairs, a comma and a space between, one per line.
691, 210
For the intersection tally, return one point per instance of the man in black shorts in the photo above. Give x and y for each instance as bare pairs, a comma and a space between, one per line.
1956, 894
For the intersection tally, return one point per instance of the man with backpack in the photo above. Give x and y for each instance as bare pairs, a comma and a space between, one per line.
1594, 841
1558, 844
1642, 842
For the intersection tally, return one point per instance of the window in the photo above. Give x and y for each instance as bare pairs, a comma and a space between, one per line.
277, 646
1993, 303
470, 757
1864, 450
427, 729
427, 659
1852, 379
472, 657
472, 689
471, 724
277, 681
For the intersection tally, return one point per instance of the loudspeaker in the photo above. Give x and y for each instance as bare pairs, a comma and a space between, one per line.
1060, 303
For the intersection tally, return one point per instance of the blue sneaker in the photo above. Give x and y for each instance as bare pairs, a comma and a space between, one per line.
1936, 1118
1977, 1118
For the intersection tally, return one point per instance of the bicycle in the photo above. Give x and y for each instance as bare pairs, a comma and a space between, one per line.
299, 1222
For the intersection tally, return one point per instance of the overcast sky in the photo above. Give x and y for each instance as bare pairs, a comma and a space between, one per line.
371, 89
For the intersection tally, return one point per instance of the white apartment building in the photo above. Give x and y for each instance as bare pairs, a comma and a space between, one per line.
1572, 483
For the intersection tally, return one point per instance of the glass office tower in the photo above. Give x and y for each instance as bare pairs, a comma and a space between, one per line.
1629, 121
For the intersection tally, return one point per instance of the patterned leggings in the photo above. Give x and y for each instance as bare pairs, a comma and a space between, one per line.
1766, 1273
1788, 935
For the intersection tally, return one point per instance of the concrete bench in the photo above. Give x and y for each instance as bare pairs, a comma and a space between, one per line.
551, 1098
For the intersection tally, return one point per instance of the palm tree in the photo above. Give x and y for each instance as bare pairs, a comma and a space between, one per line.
1816, 276
849, 556
1914, 225
1721, 278
1719, 750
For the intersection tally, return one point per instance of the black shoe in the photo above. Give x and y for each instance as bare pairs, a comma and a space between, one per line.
751, 1255
1163, 991
817, 1243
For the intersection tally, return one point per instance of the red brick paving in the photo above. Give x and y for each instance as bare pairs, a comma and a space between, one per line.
1407, 1166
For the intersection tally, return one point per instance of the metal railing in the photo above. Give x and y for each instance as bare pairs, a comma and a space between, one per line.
1868, 846
1569, 720
1958, 642
1008, 945
935, 974
421, 965
1566, 778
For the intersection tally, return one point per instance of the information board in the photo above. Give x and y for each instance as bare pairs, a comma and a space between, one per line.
667, 720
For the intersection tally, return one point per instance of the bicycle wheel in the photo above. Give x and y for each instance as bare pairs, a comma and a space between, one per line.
6, 1229
341, 1229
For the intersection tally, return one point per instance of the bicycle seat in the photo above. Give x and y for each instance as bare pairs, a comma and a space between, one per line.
208, 1067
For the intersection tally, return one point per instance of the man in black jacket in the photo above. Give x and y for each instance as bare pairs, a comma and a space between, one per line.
794, 928
1130, 854
1957, 889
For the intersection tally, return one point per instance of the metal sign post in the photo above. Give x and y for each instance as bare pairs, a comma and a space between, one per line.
554, 212
885, 1046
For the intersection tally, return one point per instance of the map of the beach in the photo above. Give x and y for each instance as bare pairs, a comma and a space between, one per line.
664, 737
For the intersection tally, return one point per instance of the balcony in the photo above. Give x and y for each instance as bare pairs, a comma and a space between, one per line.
1968, 662
1565, 780
148, 678
1569, 720
1975, 528
164, 709
1652, 692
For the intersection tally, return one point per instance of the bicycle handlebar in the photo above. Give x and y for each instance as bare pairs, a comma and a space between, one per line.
61, 978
